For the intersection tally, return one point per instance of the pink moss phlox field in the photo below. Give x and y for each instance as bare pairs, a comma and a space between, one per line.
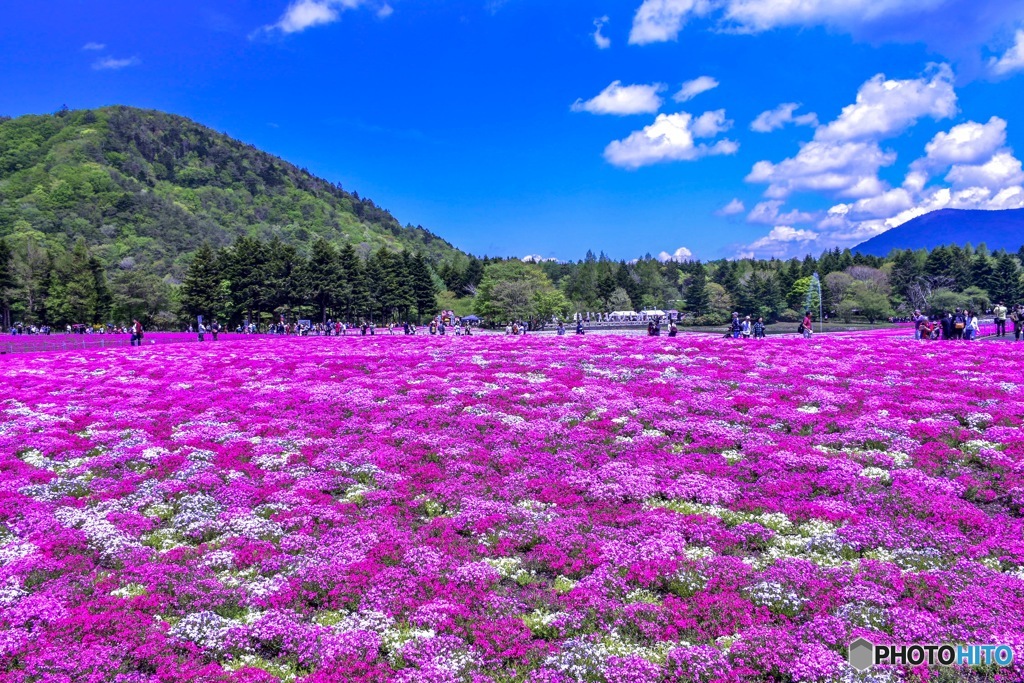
617, 509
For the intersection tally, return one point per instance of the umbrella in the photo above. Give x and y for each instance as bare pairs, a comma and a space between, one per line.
471, 319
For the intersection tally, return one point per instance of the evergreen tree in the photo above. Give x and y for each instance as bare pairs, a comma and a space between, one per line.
697, 299
8, 283
424, 291
72, 288
200, 289
320, 278
354, 293
906, 269
960, 268
104, 298
1005, 280
982, 270
627, 279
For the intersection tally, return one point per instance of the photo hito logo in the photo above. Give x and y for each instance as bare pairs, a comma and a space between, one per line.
863, 654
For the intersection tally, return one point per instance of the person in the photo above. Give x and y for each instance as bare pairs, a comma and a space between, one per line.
735, 327
657, 328
927, 327
947, 326
650, 328
999, 313
136, 333
919, 320
973, 325
202, 331
561, 329
959, 325
807, 326
747, 329
759, 328
1018, 322
579, 327
215, 329
672, 329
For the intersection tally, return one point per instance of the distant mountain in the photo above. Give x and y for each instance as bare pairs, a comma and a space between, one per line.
150, 187
996, 229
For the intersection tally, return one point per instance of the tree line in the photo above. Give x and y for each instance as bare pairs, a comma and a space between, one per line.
43, 283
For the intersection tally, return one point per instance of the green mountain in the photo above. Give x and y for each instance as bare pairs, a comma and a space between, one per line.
145, 189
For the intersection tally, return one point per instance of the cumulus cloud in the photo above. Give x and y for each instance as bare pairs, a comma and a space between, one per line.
777, 118
983, 173
848, 169
885, 108
770, 213
657, 21
623, 100
780, 241
1003, 170
680, 255
602, 41
844, 157
537, 258
304, 14
695, 87
94, 47
385, 11
955, 28
967, 143
672, 137
114, 64
1012, 60
733, 208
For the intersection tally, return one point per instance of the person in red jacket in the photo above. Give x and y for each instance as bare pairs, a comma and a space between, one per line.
136, 333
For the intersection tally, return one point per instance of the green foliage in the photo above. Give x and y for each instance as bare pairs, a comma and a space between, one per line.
509, 291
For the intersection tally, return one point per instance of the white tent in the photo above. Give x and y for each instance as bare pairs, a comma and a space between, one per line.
654, 313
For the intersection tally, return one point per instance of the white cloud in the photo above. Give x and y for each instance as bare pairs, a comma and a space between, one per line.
537, 258
967, 143
679, 255
844, 157
94, 46
695, 87
304, 14
732, 208
623, 100
1012, 60
780, 241
777, 118
764, 15
1001, 171
672, 138
602, 41
885, 108
658, 21
847, 169
113, 64
770, 213
955, 28
385, 11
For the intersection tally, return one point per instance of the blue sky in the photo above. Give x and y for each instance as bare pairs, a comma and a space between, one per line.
522, 127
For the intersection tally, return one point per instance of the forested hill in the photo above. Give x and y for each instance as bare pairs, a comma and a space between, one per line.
145, 189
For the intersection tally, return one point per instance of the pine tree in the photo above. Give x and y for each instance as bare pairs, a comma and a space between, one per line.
424, 290
696, 297
7, 284
200, 288
72, 288
1005, 280
320, 277
982, 271
104, 299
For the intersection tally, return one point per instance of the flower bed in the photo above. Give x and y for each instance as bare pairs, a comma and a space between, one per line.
506, 509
